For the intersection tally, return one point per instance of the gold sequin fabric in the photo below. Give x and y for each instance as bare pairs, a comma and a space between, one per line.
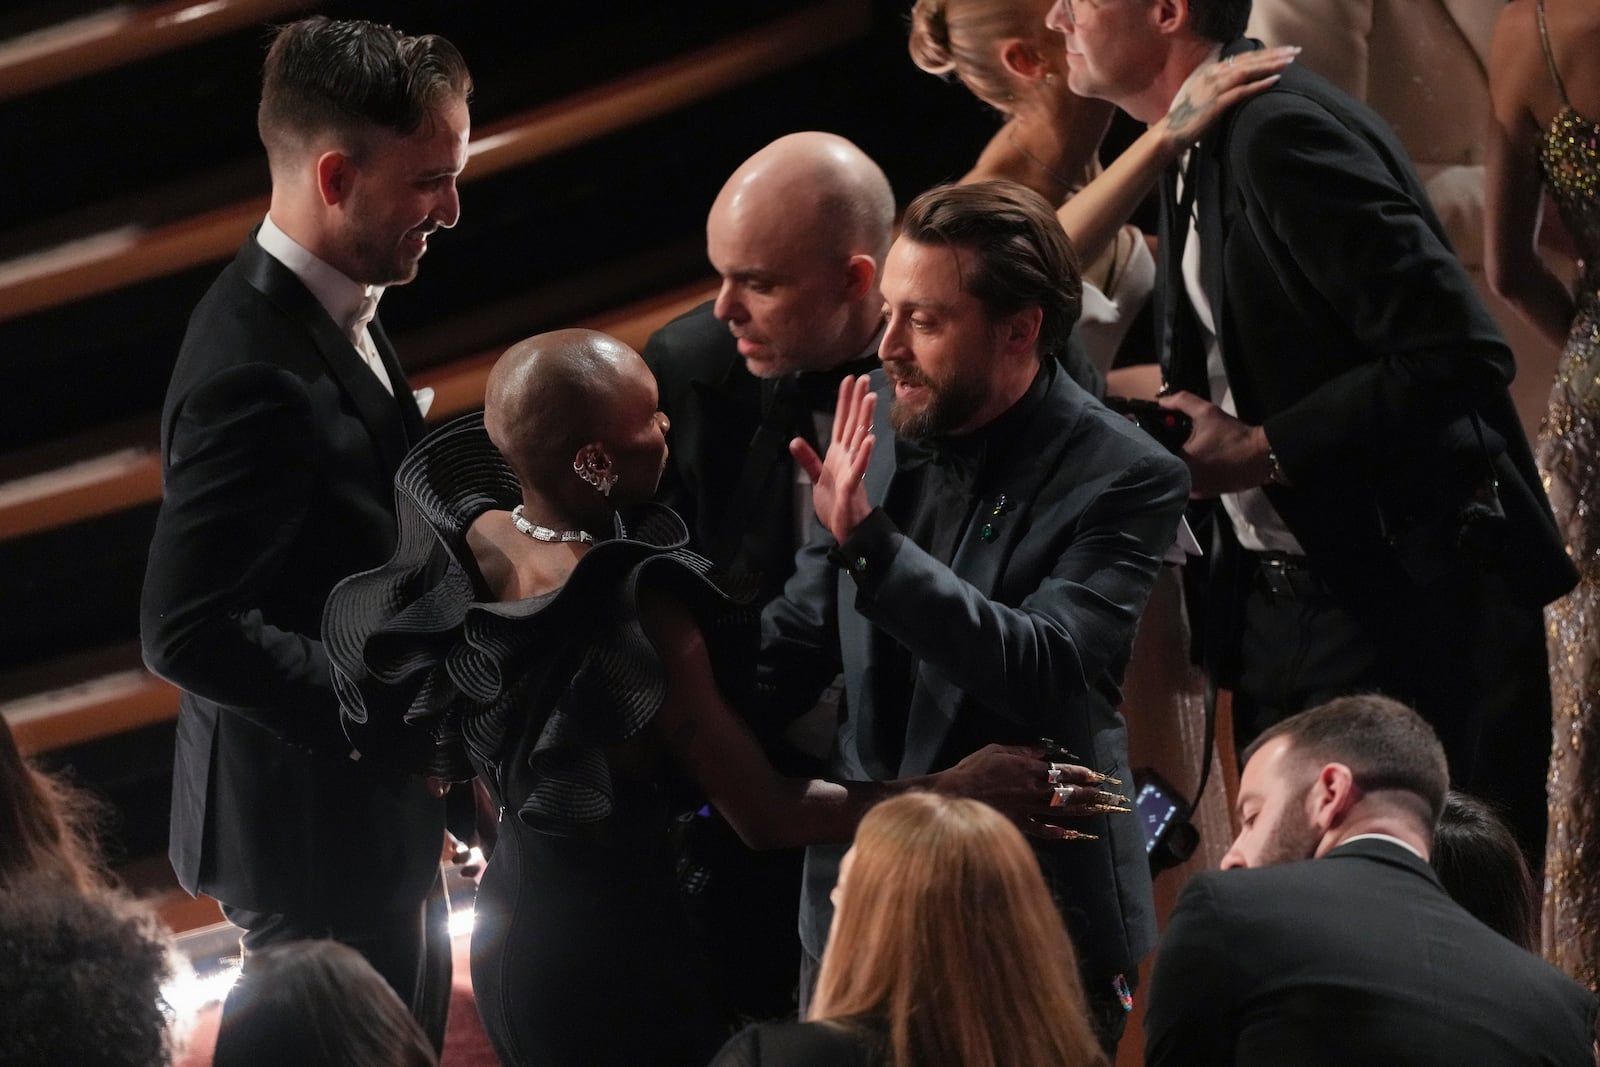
1568, 452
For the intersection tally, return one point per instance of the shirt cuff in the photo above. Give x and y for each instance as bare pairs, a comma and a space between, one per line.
869, 549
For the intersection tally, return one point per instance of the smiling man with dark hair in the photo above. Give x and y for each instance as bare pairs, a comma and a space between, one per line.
285, 420
1380, 525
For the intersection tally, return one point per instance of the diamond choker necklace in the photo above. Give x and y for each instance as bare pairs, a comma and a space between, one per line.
544, 533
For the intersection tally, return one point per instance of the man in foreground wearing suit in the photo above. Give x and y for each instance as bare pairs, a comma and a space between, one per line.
982, 554
284, 422
1382, 526
1343, 947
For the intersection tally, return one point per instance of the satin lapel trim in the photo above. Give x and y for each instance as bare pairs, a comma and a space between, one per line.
410, 414
1169, 277
380, 411
1208, 229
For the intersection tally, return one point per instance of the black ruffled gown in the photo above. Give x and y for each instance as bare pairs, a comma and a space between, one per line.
580, 952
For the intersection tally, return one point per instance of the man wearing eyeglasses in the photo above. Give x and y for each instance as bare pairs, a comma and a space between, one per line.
1381, 525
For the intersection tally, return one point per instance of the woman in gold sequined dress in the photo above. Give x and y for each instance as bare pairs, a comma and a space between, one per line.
1544, 82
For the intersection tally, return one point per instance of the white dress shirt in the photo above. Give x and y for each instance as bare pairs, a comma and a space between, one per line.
350, 304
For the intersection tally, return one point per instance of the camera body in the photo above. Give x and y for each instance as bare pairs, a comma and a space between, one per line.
1170, 428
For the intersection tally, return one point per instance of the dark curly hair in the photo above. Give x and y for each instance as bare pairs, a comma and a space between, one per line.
81, 982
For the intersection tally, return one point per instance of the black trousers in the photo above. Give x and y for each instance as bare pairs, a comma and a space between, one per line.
1461, 652
410, 949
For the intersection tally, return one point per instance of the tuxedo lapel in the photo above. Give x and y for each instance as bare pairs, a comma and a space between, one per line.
1005, 500
1208, 227
381, 412
1169, 282
410, 413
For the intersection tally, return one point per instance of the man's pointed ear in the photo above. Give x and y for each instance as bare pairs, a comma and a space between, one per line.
335, 175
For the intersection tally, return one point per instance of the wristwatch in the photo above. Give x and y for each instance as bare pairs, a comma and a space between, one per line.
1275, 475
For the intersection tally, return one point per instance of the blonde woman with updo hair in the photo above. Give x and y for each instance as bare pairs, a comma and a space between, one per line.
945, 949
1002, 51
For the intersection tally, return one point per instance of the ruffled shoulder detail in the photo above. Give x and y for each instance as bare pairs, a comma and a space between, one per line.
427, 669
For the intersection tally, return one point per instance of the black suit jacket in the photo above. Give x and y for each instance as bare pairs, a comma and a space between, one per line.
1024, 635
1352, 333
731, 481
279, 448
806, 1044
1357, 957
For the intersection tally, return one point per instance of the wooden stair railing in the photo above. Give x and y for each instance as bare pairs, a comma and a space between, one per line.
125, 256
122, 34
130, 476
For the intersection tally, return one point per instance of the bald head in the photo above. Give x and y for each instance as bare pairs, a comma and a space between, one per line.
550, 394
798, 234
818, 189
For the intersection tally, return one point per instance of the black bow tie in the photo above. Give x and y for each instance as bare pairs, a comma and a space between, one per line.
956, 458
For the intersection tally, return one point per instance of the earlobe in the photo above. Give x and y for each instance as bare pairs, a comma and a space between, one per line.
1023, 329
861, 271
1335, 793
594, 466
335, 170
1170, 14
1020, 59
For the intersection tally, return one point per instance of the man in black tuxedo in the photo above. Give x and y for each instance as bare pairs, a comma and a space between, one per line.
798, 234
1339, 945
284, 422
1381, 525
982, 555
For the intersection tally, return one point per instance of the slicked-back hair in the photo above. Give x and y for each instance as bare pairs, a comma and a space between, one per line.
349, 78
1020, 256
1386, 745
1219, 20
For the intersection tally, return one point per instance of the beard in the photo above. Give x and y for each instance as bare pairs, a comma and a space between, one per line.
1292, 839
376, 250
382, 264
946, 405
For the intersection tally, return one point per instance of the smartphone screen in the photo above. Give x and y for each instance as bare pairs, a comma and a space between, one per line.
1157, 808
